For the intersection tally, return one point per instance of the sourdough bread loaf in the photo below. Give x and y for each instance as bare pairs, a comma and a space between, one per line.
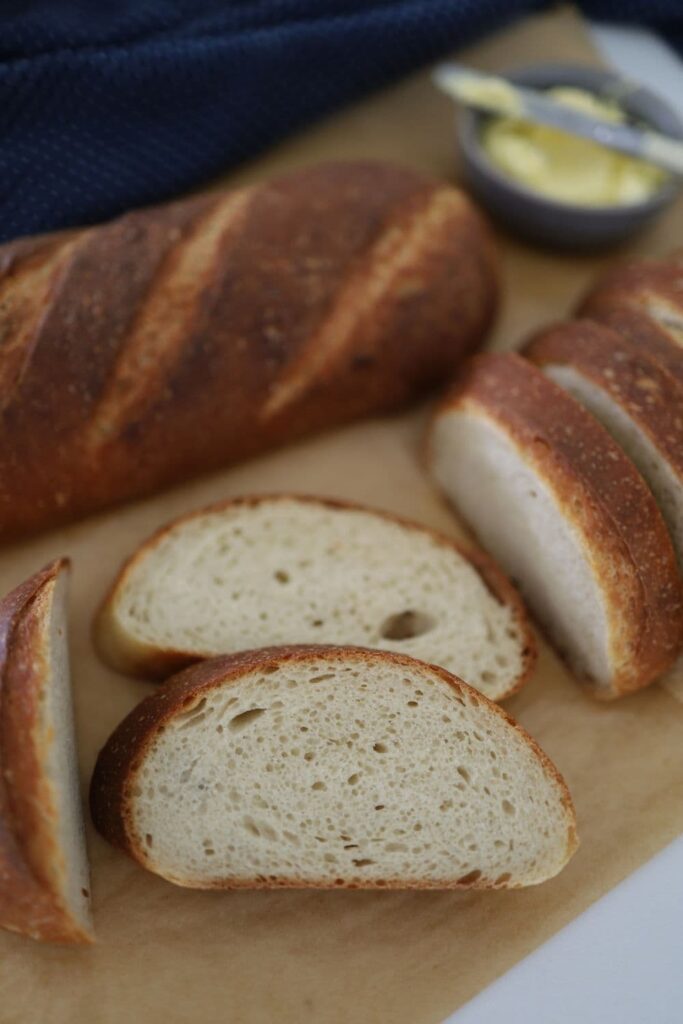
184, 337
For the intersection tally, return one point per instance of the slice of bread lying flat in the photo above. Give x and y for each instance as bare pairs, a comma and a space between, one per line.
555, 499
639, 403
330, 766
44, 879
643, 301
286, 569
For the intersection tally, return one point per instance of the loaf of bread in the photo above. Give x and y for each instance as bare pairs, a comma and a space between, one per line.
181, 338
632, 395
44, 881
330, 767
565, 511
289, 569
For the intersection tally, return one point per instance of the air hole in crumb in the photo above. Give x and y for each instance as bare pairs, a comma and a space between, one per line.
86, 893
317, 622
413, 704
473, 876
508, 807
193, 709
505, 877
351, 846
321, 679
362, 862
281, 576
149, 839
463, 773
379, 748
353, 779
406, 625
318, 785
245, 718
379, 807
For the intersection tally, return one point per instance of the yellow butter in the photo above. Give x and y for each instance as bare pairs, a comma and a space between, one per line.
565, 167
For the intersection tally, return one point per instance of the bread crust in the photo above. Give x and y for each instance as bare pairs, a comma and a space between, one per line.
117, 648
620, 301
303, 302
114, 774
31, 859
605, 499
638, 383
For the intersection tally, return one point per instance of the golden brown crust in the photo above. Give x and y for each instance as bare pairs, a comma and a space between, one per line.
30, 861
156, 663
324, 295
626, 299
636, 381
605, 498
113, 780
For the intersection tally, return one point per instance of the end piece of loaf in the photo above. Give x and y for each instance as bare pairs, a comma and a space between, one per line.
554, 498
44, 879
286, 569
330, 767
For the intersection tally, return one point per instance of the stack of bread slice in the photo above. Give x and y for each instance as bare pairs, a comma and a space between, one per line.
318, 762
569, 466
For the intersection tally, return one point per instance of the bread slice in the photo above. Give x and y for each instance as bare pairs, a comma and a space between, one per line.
638, 402
555, 499
643, 301
287, 569
322, 766
44, 879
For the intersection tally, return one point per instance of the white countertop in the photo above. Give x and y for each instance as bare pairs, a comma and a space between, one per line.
620, 962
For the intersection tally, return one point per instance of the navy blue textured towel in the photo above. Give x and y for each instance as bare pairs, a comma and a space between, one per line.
104, 106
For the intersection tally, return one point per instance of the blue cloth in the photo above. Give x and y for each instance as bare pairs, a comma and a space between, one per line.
105, 106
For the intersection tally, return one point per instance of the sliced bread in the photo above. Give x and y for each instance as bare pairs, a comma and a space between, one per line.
44, 879
643, 301
330, 767
554, 498
639, 403
288, 569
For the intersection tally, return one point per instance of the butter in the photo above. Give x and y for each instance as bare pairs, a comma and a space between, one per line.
494, 91
565, 167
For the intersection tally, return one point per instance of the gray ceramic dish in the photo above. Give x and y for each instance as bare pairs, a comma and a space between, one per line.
545, 220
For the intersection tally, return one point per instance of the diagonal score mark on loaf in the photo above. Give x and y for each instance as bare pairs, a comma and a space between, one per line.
25, 302
143, 366
400, 248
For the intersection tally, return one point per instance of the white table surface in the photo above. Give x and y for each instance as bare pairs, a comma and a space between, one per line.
620, 962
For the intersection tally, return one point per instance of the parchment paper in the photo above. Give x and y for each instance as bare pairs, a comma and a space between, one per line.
174, 956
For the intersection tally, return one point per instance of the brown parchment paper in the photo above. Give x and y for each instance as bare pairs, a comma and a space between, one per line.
174, 956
